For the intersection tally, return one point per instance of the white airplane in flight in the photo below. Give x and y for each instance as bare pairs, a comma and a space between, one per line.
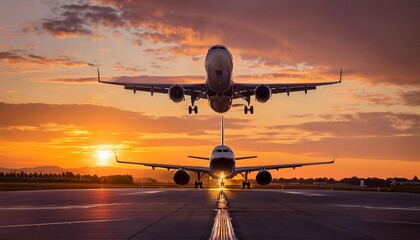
219, 88
222, 165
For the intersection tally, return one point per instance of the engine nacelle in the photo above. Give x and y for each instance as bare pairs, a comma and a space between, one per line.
176, 93
262, 93
181, 177
263, 177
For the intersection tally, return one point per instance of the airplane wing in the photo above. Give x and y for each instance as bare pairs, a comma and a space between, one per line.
278, 166
245, 90
168, 166
198, 90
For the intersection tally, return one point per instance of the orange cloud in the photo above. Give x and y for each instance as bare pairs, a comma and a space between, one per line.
32, 62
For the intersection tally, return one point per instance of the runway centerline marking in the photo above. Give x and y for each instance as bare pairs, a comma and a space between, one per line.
142, 192
389, 221
222, 228
304, 193
380, 208
55, 207
64, 223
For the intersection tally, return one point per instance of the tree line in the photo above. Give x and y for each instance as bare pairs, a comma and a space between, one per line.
371, 181
64, 177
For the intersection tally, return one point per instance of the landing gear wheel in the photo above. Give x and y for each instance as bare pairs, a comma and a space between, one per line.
189, 109
243, 185
222, 184
195, 184
195, 109
250, 109
201, 184
248, 184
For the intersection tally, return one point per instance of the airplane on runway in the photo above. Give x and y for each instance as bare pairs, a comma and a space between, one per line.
219, 88
222, 165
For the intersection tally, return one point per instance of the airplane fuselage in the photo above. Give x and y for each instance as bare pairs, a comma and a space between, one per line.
222, 162
219, 66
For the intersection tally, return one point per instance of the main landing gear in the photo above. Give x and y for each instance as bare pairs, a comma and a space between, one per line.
245, 183
199, 183
222, 183
248, 108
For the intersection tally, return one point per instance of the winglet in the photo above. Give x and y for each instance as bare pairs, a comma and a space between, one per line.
341, 73
99, 80
116, 158
334, 158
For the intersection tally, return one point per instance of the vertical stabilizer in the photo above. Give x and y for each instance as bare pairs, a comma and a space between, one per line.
222, 133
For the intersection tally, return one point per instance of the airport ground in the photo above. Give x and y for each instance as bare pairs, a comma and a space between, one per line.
186, 213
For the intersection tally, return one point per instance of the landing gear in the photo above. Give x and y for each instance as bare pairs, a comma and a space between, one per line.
245, 183
192, 109
199, 183
222, 183
248, 108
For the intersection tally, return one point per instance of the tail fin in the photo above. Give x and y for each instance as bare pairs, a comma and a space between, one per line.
222, 134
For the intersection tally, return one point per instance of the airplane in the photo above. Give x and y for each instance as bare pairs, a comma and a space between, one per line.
222, 165
219, 88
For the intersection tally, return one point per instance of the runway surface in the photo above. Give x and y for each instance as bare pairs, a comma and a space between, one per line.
162, 213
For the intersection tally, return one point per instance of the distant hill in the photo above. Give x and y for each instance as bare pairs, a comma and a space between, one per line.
160, 175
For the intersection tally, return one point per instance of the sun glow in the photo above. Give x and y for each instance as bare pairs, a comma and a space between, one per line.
103, 157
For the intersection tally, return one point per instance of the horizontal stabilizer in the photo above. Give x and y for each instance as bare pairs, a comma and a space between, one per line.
201, 158
248, 157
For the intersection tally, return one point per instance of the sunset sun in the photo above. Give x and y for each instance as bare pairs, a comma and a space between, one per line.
103, 157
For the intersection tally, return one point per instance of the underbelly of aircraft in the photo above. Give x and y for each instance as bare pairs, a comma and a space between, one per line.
220, 104
221, 166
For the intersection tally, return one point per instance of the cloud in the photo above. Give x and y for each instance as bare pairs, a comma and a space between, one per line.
120, 67
411, 98
142, 78
373, 45
74, 20
364, 135
25, 59
95, 118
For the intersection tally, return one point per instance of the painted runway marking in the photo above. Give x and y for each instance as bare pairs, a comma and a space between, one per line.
55, 207
142, 192
304, 193
380, 208
222, 228
387, 221
64, 223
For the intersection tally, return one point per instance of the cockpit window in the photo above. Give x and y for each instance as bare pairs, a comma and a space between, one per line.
218, 47
219, 150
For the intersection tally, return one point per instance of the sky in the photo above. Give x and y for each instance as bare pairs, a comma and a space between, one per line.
53, 112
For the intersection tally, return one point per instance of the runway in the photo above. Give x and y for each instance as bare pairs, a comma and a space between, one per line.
164, 213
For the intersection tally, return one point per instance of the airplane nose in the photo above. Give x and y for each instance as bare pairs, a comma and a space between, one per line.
217, 59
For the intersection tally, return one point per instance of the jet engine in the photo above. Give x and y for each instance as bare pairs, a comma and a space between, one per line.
263, 177
181, 177
176, 93
262, 93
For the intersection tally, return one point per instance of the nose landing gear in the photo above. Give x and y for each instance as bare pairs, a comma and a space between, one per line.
192, 109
